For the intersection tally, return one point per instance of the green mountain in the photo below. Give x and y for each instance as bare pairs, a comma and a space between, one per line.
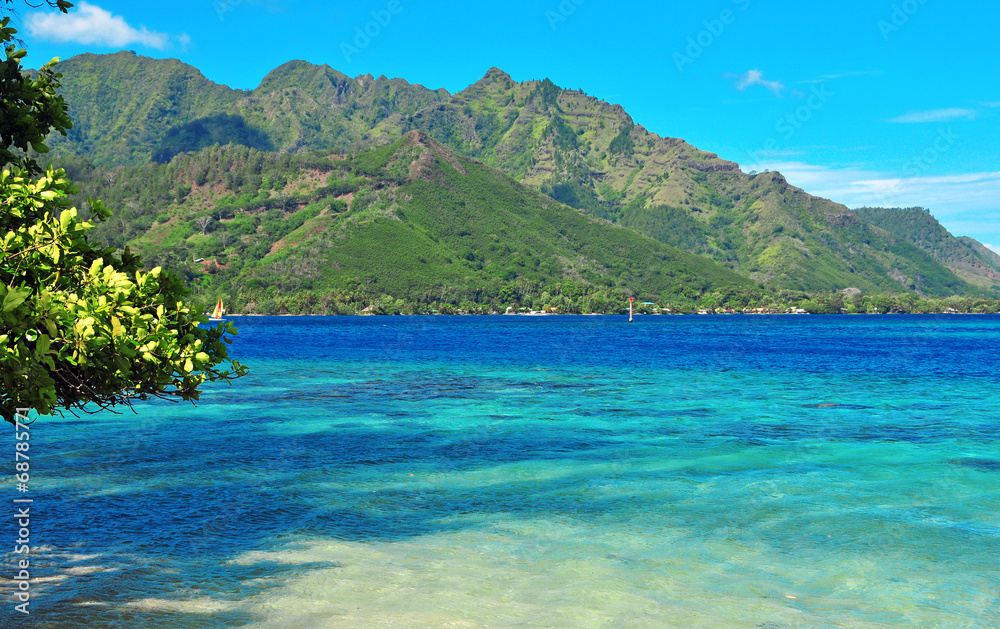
578, 150
590, 155
128, 109
966, 257
409, 226
123, 105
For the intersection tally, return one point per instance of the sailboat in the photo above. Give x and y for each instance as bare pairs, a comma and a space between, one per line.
217, 313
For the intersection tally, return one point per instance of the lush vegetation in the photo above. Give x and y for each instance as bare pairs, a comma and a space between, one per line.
585, 153
81, 324
407, 227
966, 257
132, 109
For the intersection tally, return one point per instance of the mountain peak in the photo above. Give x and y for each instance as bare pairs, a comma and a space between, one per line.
496, 74
581, 151
299, 73
494, 77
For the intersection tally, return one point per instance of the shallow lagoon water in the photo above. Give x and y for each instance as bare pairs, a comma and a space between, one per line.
541, 472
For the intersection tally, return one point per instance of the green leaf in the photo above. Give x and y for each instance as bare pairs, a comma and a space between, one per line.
15, 298
42, 346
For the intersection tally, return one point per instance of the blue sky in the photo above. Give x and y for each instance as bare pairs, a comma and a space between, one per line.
881, 102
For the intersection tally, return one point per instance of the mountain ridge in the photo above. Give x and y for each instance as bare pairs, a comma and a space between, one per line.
579, 150
966, 257
411, 225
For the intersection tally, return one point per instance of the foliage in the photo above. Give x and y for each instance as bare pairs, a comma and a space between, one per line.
563, 137
622, 143
30, 108
81, 324
446, 241
437, 240
581, 151
215, 129
917, 227
547, 94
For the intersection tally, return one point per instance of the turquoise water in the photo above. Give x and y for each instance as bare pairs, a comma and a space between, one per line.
541, 472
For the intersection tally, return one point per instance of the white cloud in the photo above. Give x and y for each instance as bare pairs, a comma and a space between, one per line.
756, 77
857, 186
935, 115
967, 204
90, 24
993, 248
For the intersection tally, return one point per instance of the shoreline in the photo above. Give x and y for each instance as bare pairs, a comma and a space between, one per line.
677, 314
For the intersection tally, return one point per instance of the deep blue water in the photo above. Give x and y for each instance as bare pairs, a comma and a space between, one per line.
540, 472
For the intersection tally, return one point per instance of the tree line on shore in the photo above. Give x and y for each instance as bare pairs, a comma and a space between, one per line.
575, 298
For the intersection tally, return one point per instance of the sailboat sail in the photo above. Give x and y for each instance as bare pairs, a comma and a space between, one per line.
217, 313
